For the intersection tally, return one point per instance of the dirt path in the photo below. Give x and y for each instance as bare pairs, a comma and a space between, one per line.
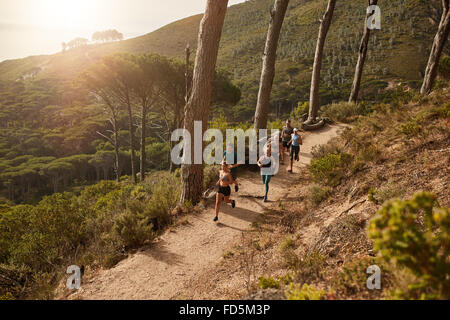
165, 270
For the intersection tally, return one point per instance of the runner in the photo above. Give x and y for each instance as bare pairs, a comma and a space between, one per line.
295, 141
225, 180
286, 134
266, 162
229, 153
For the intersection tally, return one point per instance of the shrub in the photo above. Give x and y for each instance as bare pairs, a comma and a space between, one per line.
304, 292
344, 111
444, 67
266, 283
411, 128
317, 194
415, 234
132, 230
386, 192
301, 109
330, 169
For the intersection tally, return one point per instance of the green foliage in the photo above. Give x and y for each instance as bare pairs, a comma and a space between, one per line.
132, 230
301, 109
330, 169
411, 128
268, 282
415, 234
317, 194
305, 292
444, 67
386, 192
344, 111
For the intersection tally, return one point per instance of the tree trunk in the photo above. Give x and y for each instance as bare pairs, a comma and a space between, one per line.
131, 129
315, 81
436, 50
277, 15
116, 149
362, 57
197, 108
143, 136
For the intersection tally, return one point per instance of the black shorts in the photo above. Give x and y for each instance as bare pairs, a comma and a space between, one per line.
286, 145
226, 191
295, 150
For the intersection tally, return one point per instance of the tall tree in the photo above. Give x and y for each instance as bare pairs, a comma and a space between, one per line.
436, 50
147, 90
362, 56
197, 107
277, 15
124, 75
325, 23
100, 81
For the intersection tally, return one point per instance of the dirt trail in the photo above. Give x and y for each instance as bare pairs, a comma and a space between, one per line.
165, 269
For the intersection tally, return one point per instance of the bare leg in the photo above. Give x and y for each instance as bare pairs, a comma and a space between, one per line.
228, 200
219, 198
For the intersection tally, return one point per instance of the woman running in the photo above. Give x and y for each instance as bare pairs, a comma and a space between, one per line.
225, 180
266, 161
296, 141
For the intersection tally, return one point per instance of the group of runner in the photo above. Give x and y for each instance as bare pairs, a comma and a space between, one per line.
290, 141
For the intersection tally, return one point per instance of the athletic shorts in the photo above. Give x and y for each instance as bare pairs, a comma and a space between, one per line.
286, 145
226, 191
295, 150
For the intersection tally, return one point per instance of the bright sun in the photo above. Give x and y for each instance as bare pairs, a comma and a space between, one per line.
66, 13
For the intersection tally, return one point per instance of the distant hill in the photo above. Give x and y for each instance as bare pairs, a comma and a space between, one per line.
398, 52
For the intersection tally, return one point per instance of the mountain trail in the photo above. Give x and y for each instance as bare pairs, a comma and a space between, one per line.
165, 269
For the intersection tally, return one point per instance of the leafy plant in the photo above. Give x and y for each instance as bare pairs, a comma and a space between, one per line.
415, 234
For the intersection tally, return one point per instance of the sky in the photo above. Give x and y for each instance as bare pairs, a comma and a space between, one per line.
32, 27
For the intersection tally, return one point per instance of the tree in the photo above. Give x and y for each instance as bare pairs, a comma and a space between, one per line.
277, 15
325, 23
197, 107
124, 72
436, 50
99, 80
362, 56
147, 91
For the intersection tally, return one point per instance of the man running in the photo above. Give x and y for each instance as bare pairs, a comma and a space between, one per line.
225, 180
295, 143
286, 134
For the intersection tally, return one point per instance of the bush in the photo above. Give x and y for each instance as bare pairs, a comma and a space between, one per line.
386, 192
301, 109
330, 169
411, 128
317, 194
132, 230
415, 234
444, 67
305, 292
344, 111
266, 283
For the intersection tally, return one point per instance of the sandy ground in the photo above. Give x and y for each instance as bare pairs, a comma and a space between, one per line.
165, 270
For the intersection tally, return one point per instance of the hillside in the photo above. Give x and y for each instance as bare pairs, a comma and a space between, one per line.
398, 52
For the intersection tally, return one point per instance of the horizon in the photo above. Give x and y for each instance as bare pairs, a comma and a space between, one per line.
28, 29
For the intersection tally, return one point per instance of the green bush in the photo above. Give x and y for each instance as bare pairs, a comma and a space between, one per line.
317, 194
269, 282
304, 292
444, 67
132, 230
411, 128
301, 109
344, 111
330, 169
415, 234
